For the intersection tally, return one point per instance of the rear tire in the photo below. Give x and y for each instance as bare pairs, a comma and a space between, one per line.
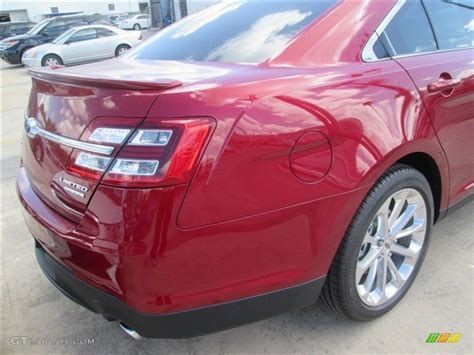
137, 27
121, 49
377, 262
51, 60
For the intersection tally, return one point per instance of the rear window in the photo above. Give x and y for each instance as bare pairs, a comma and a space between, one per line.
233, 31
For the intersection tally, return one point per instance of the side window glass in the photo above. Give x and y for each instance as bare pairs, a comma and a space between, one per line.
453, 22
379, 50
409, 32
102, 32
56, 26
83, 35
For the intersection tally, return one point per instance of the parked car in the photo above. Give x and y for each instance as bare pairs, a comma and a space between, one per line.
136, 22
116, 19
203, 181
44, 32
82, 44
9, 29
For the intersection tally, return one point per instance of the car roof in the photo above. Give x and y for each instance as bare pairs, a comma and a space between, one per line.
115, 29
77, 15
14, 23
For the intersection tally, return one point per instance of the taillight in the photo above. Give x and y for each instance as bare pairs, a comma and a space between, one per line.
159, 152
106, 131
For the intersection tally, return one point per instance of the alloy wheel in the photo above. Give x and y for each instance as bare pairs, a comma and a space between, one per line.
391, 247
122, 50
51, 62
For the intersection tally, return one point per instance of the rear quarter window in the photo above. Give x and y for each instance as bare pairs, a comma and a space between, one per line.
409, 32
233, 31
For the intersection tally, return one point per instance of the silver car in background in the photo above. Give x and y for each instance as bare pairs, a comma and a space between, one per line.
136, 22
82, 44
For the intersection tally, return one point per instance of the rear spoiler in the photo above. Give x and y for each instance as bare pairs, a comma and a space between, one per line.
102, 82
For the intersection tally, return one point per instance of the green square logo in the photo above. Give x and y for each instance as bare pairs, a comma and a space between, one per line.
432, 338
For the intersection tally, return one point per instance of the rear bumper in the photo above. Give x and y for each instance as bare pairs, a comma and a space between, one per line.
161, 281
181, 324
32, 62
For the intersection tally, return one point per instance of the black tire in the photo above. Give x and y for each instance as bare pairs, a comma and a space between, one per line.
45, 59
340, 290
137, 27
120, 48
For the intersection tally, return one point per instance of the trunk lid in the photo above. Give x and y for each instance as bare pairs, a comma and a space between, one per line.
64, 102
68, 101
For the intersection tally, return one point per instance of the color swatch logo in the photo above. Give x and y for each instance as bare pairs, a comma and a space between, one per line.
443, 338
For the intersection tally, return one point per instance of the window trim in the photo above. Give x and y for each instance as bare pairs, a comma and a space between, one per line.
79, 30
368, 53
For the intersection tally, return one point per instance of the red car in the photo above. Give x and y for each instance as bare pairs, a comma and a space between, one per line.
250, 156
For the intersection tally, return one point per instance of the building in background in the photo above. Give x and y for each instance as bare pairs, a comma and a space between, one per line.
13, 10
163, 12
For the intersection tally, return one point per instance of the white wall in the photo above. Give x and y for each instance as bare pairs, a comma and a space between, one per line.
19, 15
36, 9
198, 5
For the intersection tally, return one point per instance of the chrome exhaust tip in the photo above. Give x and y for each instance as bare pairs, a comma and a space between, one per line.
130, 331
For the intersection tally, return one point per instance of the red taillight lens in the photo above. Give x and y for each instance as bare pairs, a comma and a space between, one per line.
105, 131
160, 152
157, 153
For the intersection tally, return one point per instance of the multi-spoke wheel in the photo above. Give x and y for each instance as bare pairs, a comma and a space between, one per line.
391, 247
121, 49
51, 60
384, 247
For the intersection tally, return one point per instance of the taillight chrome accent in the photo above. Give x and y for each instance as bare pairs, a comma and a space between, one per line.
93, 162
135, 167
110, 135
151, 137
33, 129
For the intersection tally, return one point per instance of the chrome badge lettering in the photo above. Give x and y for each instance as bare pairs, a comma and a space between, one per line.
74, 188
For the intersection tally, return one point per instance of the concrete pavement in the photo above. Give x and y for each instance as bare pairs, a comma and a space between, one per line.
33, 311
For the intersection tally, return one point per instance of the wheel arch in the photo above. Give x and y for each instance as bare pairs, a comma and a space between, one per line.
431, 163
122, 44
426, 165
23, 50
54, 54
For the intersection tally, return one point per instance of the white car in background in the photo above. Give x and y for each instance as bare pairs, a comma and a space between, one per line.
82, 44
136, 22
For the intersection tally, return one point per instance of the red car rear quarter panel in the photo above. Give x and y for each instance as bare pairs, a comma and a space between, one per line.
371, 114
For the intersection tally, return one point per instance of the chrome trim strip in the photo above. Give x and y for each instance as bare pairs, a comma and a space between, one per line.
368, 54
33, 129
